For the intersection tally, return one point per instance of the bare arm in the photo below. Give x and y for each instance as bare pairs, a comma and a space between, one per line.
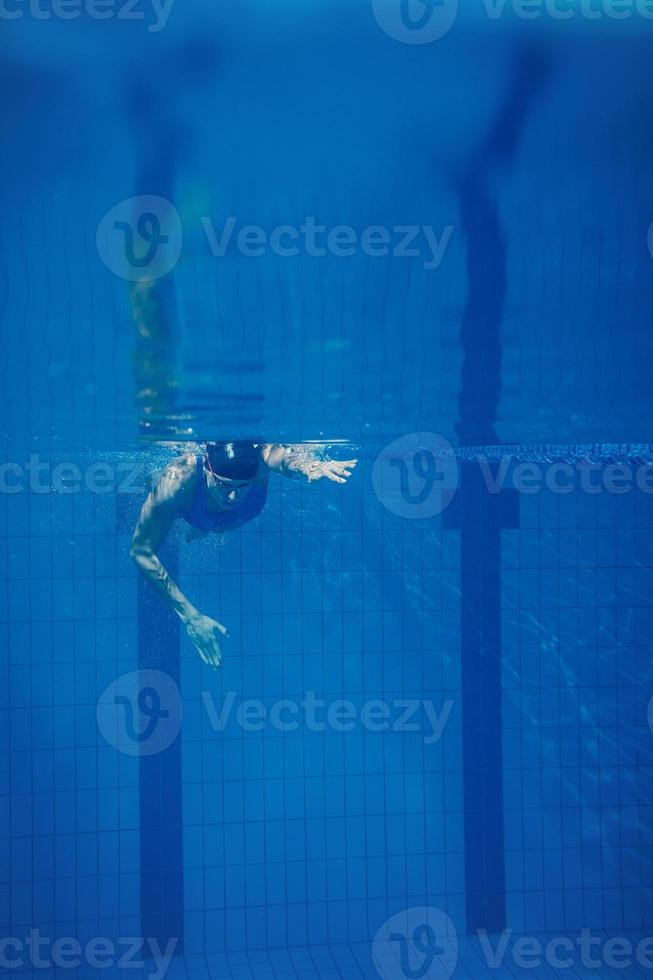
297, 461
156, 517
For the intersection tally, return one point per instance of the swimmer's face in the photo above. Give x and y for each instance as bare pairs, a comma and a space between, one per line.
225, 492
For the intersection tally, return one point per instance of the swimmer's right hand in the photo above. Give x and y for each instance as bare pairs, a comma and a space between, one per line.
205, 634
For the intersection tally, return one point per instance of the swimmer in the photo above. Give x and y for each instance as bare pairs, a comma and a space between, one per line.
216, 488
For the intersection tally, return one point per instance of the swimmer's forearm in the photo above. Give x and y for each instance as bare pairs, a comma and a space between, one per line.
296, 467
154, 571
301, 460
292, 461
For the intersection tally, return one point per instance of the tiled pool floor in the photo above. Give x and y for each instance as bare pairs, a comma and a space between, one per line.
354, 962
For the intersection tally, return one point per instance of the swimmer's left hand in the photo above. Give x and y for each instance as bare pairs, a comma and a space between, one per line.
333, 469
205, 635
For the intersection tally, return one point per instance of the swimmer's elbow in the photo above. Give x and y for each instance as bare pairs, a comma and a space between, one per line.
139, 554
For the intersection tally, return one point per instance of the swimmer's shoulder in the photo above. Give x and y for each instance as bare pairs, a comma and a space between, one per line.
179, 479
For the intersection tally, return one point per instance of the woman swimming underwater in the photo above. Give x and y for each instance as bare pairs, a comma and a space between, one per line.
216, 488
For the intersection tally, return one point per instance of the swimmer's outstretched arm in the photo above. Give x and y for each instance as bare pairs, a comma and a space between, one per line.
298, 461
157, 515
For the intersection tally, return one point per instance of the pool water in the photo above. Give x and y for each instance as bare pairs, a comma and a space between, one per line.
428, 751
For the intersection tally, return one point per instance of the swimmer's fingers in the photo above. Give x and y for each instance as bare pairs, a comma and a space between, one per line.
210, 654
213, 654
205, 634
215, 658
340, 471
347, 467
329, 470
334, 471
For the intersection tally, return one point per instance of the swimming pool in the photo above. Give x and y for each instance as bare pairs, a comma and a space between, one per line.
428, 750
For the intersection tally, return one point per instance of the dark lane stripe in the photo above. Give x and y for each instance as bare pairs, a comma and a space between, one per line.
480, 515
158, 138
160, 774
162, 873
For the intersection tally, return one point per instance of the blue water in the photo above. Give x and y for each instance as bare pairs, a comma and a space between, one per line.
430, 740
